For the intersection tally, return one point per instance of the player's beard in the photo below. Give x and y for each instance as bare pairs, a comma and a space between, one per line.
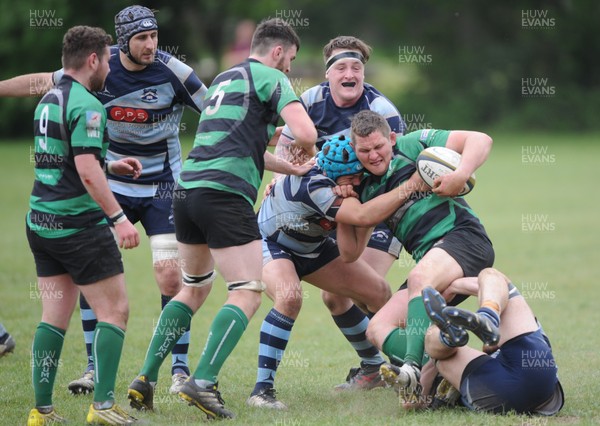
97, 82
140, 59
279, 64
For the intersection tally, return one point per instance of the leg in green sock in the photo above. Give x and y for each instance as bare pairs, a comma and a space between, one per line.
417, 323
173, 322
106, 347
394, 346
225, 332
46, 349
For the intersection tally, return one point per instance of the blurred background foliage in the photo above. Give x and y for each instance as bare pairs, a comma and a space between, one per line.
526, 65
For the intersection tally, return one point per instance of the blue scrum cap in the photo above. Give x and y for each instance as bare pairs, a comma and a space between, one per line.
337, 158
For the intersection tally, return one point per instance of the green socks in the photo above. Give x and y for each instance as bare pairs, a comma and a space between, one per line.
394, 346
173, 322
417, 323
47, 346
106, 347
224, 334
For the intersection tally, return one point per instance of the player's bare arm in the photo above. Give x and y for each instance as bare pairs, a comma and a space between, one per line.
284, 167
302, 128
356, 220
27, 85
352, 240
353, 212
275, 138
125, 167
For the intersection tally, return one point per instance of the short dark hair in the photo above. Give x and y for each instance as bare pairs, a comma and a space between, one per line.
366, 122
347, 43
80, 42
271, 32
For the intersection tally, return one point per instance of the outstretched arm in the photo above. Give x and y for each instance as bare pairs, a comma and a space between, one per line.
356, 221
285, 149
284, 167
353, 212
26, 85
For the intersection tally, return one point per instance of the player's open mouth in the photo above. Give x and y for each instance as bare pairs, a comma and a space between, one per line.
348, 84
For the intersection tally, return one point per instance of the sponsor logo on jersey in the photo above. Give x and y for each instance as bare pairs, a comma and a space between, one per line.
424, 134
93, 119
327, 224
132, 115
105, 93
149, 96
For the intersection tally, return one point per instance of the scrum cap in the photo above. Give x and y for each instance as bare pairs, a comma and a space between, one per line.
130, 21
337, 158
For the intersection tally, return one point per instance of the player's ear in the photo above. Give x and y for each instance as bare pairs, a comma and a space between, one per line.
393, 138
93, 60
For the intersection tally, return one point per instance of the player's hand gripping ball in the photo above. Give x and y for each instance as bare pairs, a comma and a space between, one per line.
438, 161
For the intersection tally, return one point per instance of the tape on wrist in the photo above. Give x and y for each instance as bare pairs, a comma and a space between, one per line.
108, 167
118, 217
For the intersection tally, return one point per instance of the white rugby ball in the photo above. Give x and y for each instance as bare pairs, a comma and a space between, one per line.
438, 161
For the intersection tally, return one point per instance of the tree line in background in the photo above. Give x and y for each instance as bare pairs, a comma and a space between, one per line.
534, 65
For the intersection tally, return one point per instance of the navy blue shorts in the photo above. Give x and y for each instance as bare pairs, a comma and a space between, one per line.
383, 239
88, 256
217, 218
520, 377
155, 213
304, 265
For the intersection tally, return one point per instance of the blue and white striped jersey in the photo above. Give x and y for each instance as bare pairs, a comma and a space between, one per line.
299, 212
331, 120
144, 110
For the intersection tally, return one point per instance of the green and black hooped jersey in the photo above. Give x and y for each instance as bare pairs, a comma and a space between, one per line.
68, 121
242, 108
425, 217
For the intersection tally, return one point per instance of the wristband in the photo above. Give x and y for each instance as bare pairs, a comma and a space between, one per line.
118, 218
108, 167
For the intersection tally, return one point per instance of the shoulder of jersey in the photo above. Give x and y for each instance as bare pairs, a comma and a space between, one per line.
314, 94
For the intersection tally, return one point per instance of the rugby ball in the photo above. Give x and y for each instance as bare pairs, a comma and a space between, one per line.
438, 161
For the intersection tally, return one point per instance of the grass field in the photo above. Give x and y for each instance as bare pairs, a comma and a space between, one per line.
534, 197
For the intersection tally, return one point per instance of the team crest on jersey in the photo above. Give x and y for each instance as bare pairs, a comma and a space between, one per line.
93, 120
149, 96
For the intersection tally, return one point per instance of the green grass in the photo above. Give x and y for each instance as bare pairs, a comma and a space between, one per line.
541, 217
